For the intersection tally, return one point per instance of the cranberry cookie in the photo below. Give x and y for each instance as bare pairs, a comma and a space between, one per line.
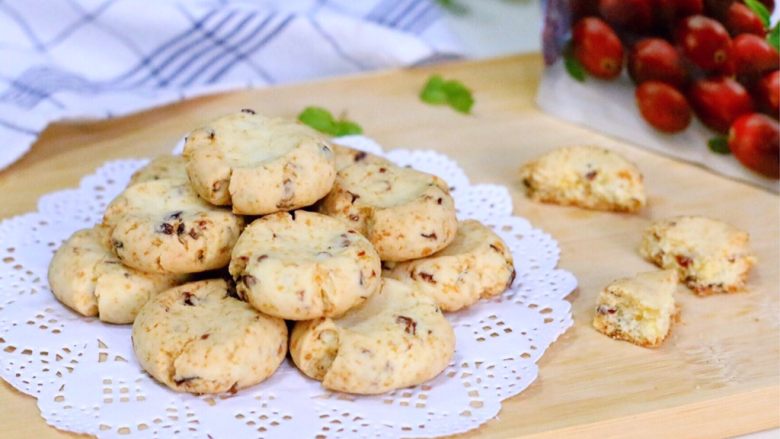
259, 165
162, 226
302, 265
640, 309
476, 265
397, 338
198, 338
86, 277
406, 214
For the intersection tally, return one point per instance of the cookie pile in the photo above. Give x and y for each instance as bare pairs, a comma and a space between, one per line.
263, 221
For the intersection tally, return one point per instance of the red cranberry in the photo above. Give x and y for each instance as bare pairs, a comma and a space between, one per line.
718, 102
753, 55
663, 106
654, 59
754, 139
767, 94
742, 20
705, 42
598, 48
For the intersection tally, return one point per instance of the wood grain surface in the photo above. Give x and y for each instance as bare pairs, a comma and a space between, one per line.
717, 375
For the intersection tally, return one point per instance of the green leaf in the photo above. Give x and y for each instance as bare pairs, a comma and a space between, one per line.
760, 10
318, 118
572, 64
438, 91
323, 121
462, 102
346, 128
719, 145
458, 96
433, 91
774, 37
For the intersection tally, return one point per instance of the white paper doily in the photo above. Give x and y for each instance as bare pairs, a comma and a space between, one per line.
86, 379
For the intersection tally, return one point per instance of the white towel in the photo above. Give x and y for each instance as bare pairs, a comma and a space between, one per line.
68, 59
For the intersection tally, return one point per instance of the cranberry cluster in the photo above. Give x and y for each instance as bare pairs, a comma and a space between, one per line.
710, 58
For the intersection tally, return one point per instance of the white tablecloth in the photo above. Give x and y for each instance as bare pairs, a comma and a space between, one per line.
69, 59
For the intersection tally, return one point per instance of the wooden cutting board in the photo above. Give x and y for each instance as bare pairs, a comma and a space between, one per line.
717, 375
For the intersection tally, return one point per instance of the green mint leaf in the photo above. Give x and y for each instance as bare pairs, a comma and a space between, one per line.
572, 64
719, 145
318, 118
438, 91
433, 91
760, 10
346, 128
461, 100
774, 37
323, 121
458, 96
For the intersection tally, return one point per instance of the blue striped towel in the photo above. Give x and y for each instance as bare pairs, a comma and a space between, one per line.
66, 59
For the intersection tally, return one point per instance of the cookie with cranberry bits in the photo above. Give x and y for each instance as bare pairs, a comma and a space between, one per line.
639, 309
86, 277
164, 167
346, 156
302, 265
476, 265
710, 256
259, 165
162, 226
585, 176
406, 214
397, 338
198, 338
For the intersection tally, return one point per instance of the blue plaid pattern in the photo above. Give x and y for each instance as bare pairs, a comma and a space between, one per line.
98, 58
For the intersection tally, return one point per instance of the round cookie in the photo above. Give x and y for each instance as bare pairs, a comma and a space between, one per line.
406, 214
198, 338
160, 168
346, 156
302, 265
86, 277
162, 226
397, 338
476, 265
259, 165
